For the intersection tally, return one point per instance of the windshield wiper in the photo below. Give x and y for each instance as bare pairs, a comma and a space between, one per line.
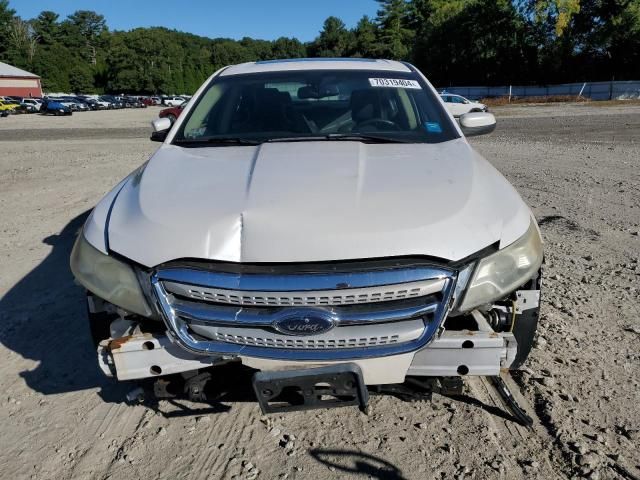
346, 137
209, 141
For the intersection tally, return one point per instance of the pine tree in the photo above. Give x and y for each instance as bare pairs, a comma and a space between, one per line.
333, 40
366, 42
396, 37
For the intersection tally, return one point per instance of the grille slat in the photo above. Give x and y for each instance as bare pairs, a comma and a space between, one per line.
306, 344
385, 293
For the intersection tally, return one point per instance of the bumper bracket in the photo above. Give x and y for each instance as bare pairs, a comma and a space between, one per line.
325, 387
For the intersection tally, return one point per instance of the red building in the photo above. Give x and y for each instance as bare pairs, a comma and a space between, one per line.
14, 81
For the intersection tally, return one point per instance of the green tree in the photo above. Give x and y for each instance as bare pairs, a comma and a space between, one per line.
22, 42
229, 52
366, 42
81, 79
45, 27
6, 18
288, 48
454, 41
86, 26
395, 36
334, 39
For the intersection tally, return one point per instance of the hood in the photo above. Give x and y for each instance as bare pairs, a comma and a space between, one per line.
313, 201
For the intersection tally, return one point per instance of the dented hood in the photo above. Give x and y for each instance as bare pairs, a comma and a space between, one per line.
312, 201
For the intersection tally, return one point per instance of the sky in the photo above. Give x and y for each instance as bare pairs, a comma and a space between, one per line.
264, 19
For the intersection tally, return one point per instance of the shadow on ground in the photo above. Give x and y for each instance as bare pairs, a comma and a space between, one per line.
357, 463
43, 318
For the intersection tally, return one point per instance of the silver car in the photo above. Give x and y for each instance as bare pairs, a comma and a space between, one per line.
323, 222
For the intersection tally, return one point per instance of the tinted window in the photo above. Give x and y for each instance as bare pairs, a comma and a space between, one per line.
270, 106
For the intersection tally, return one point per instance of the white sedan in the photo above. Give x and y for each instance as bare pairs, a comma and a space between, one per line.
458, 105
312, 212
173, 101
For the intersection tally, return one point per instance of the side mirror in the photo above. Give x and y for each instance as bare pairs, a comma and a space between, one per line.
477, 123
161, 127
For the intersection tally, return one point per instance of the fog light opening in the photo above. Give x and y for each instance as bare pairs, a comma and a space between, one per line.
156, 370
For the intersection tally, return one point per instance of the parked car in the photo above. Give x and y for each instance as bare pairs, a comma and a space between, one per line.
53, 107
106, 103
172, 112
71, 105
36, 102
134, 102
8, 107
323, 222
76, 104
113, 101
458, 105
27, 107
150, 101
92, 103
173, 101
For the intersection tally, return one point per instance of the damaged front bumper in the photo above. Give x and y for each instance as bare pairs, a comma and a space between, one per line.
452, 353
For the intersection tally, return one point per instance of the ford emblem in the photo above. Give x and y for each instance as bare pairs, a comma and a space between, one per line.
305, 322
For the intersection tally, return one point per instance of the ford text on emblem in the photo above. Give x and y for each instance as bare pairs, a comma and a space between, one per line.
305, 322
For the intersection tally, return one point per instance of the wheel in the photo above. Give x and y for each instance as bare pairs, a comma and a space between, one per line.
171, 117
525, 325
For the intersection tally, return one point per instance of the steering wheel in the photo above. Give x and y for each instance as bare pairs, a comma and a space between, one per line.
380, 121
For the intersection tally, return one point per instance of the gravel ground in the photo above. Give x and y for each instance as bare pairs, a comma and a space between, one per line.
578, 166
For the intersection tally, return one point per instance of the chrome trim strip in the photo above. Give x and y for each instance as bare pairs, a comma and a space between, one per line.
233, 316
337, 338
178, 329
300, 282
316, 298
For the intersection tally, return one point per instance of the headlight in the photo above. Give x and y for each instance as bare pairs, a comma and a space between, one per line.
107, 277
499, 274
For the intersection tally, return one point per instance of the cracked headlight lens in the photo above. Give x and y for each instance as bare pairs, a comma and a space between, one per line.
499, 274
108, 278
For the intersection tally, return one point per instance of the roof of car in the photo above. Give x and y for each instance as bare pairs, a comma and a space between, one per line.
316, 64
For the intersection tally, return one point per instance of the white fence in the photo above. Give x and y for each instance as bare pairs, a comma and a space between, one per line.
593, 90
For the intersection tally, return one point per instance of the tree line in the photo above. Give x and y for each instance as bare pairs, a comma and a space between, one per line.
455, 42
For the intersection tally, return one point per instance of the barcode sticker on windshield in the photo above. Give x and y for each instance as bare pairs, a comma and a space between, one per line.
394, 83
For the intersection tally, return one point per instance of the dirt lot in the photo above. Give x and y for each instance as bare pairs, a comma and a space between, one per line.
578, 166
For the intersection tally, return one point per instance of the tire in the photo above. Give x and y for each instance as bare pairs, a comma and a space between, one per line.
526, 324
171, 117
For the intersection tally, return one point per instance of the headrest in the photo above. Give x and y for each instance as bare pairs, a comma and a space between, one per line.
365, 105
271, 97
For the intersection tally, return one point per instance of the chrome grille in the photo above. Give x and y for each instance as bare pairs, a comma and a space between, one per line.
339, 338
385, 293
373, 312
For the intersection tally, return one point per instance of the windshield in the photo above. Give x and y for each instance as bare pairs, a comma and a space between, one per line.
324, 105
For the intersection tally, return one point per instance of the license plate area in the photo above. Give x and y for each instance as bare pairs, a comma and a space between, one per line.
325, 387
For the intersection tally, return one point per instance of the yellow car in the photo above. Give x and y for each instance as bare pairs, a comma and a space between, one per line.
7, 107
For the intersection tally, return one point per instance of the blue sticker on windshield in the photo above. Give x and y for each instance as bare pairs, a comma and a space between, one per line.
433, 127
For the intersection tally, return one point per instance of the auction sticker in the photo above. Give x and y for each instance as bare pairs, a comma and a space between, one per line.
394, 82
